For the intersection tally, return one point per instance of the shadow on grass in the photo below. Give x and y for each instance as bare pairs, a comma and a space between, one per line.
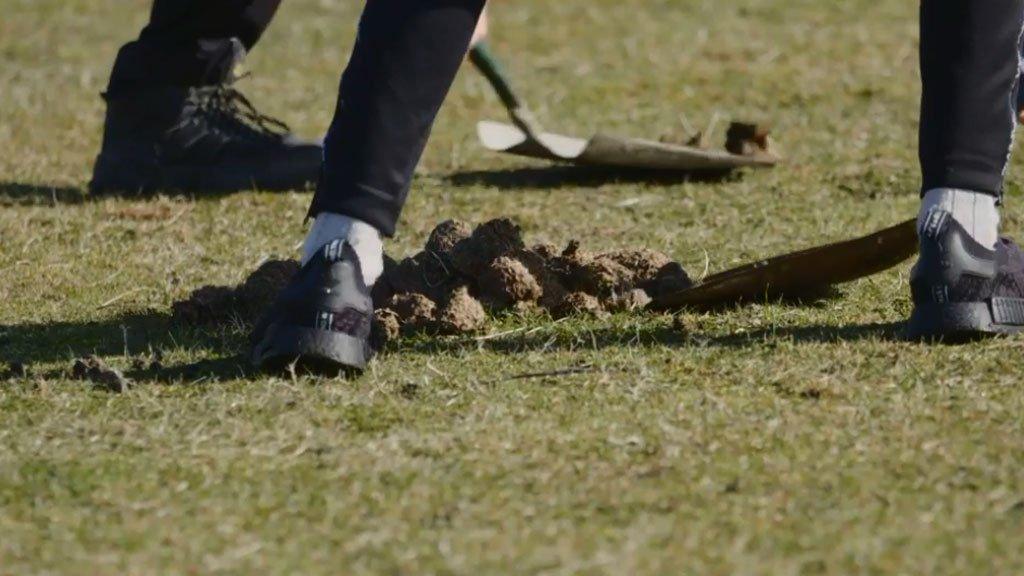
141, 335
560, 176
21, 194
138, 335
659, 336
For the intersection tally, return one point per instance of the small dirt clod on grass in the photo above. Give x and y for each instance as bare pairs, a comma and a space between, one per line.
16, 370
102, 376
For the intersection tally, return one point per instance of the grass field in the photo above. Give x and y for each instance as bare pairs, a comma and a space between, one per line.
773, 439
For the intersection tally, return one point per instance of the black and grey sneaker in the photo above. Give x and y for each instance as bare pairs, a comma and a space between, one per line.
321, 322
209, 138
962, 290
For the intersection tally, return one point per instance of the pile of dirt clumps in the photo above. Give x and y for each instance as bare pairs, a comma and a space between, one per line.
247, 301
461, 275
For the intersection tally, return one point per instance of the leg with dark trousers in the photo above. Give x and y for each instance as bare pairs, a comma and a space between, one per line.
401, 69
968, 281
191, 43
174, 119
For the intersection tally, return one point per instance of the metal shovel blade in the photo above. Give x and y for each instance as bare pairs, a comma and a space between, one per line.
614, 151
802, 273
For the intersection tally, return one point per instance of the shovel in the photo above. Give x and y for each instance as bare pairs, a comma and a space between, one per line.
746, 144
804, 273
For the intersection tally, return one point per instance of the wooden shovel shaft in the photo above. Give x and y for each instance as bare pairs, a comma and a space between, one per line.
799, 273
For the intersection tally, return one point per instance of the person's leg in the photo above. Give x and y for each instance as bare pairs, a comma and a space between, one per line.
174, 120
967, 280
191, 42
403, 64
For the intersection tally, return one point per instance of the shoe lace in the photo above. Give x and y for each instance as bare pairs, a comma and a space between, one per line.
227, 110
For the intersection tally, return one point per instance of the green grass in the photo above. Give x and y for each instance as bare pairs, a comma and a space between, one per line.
764, 440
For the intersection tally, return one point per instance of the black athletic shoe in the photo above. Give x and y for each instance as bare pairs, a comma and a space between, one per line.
321, 322
198, 139
961, 289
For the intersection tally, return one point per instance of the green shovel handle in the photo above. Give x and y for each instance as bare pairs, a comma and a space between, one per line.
485, 61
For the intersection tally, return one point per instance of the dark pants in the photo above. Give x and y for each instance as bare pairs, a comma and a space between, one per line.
408, 52
403, 64
970, 69
190, 42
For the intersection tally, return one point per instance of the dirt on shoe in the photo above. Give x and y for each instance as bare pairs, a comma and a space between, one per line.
92, 369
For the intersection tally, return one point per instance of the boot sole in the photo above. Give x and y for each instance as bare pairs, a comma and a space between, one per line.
112, 174
966, 321
310, 351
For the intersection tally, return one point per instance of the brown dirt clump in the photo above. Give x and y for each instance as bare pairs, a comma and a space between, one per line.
386, 328
219, 304
103, 377
382, 290
671, 278
629, 301
415, 312
461, 274
643, 263
507, 281
488, 242
578, 303
545, 251
206, 305
425, 273
261, 288
462, 313
445, 236
602, 277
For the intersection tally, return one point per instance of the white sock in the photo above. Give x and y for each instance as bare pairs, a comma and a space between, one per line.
976, 212
363, 238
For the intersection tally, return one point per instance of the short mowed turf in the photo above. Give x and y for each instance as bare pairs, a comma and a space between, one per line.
766, 439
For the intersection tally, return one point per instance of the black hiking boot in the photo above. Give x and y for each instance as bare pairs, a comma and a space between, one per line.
321, 322
962, 290
208, 138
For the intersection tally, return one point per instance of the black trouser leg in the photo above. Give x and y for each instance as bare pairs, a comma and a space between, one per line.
403, 64
190, 42
970, 69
